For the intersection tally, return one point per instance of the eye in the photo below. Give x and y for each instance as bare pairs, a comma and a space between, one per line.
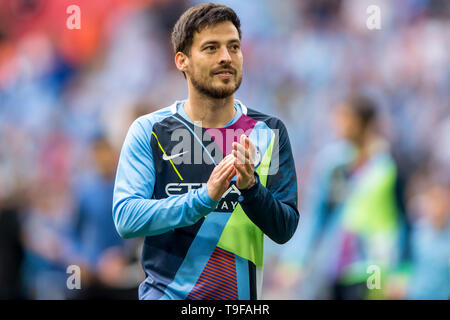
235, 47
210, 48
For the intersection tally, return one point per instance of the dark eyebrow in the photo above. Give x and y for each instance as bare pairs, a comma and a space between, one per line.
209, 43
217, 42
234, 40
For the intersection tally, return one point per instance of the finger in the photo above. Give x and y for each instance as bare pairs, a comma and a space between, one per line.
242, 154
245, 159
230, 160
227, 162
252, 150
243, 146
239, 158
231, 175
226, 173
219, 166
244, 169
241, 170
223, 164
236, 144
239, 147
250, 153
242, 139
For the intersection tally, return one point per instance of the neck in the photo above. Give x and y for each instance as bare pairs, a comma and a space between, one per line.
367, 145
213, 113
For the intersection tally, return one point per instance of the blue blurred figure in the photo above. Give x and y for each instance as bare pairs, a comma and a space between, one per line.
351, 215
430, 243
104, 256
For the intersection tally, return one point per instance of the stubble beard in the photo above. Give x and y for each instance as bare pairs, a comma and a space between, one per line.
206, 88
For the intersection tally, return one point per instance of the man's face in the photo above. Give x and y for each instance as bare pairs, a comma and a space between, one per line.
347, 123
214, 66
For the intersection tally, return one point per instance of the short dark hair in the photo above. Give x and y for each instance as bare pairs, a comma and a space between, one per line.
364, 108
197, 18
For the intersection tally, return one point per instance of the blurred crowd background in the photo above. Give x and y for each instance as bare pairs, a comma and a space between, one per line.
368, 113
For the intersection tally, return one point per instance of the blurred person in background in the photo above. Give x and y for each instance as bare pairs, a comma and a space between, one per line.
367, 204
430, 242
46, 220
45, 231
109, 262
11, 248
351, 212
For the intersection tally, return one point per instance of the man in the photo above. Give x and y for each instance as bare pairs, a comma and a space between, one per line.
102, 253
204, 215
353, 213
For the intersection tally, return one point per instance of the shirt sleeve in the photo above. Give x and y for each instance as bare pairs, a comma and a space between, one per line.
135, 214
274, 208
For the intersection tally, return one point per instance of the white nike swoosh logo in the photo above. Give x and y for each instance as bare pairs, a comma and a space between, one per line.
257, 157
166, 157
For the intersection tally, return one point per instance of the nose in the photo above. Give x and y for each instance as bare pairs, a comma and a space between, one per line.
224, 56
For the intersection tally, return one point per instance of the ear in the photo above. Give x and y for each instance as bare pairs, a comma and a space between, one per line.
181, 61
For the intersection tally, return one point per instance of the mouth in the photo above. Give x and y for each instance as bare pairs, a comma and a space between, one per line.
224, 74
